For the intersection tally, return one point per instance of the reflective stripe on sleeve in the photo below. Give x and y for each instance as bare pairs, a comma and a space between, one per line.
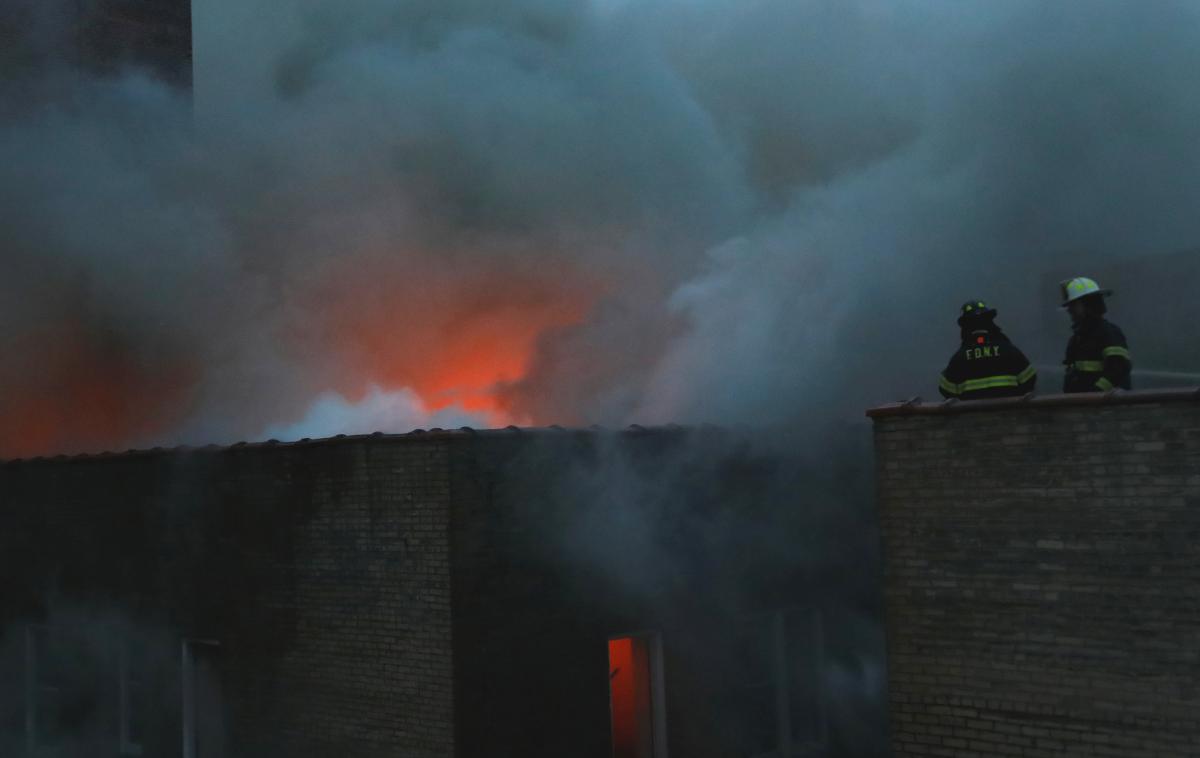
1096, 366
1026, 375
948, 385
988, 382
1104, 384
1117, 352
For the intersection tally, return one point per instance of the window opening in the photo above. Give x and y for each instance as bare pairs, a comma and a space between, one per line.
203, 709
780, 705
131, 688
63, 687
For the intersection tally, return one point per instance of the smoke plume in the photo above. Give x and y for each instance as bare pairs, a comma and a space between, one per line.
588, 211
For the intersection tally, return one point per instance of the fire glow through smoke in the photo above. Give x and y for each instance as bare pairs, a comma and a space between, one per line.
571, 212
454, 341
90, 393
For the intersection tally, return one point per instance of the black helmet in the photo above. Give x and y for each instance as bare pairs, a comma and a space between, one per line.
975, 309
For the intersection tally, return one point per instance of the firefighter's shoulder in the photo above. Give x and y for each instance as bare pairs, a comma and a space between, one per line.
1112, 333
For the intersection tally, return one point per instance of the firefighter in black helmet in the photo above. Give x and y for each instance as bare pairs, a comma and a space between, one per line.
1097, 355
987, 364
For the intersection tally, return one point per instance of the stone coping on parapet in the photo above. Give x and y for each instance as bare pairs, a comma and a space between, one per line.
464, 432
917, 407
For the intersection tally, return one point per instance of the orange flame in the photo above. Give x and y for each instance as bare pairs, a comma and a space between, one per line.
452, 340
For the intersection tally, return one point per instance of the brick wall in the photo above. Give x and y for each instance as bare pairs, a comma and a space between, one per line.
322, 571
365, 656
1042, 575
562, 540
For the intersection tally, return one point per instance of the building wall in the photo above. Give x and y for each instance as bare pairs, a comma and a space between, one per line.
440, 594
322, 572
532, 640
563, 540
1042, 575
366, 638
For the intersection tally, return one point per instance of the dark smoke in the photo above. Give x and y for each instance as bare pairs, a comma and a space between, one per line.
760, 209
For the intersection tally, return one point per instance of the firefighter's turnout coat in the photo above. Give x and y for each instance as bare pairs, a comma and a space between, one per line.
1097, 357
987, 365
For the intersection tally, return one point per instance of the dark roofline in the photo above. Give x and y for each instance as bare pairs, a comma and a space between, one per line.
915, 406
462, 433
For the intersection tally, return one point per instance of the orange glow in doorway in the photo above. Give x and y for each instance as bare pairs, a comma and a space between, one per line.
629, 691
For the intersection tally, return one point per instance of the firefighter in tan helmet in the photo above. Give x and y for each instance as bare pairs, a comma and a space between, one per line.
986, 364
1097, 355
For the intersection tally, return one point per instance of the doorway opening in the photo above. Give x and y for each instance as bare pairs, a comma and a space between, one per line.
635, 687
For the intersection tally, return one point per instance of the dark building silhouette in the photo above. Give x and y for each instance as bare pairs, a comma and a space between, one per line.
151, 34
451, 593
100, 37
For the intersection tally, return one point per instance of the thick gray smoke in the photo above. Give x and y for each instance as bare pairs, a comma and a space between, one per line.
568, 212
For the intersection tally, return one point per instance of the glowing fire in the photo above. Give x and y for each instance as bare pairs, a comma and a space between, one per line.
455, 338
84, 392
452, 341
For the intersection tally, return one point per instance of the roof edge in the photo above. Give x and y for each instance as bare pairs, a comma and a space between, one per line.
917, 407
436, 433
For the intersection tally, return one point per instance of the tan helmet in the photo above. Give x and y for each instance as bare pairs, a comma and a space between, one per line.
1080, 286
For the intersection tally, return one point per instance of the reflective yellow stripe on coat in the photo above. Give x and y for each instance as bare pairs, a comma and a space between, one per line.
988, 382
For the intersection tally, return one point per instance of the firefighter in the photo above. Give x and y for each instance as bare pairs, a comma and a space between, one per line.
987, 364
1097, 355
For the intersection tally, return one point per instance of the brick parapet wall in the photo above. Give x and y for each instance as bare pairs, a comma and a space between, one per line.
1042, 576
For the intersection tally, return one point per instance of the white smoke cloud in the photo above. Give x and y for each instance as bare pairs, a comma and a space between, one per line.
378, 410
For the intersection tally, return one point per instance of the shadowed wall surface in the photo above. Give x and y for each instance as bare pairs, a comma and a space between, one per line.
1042, 574
321, 572
449, 593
